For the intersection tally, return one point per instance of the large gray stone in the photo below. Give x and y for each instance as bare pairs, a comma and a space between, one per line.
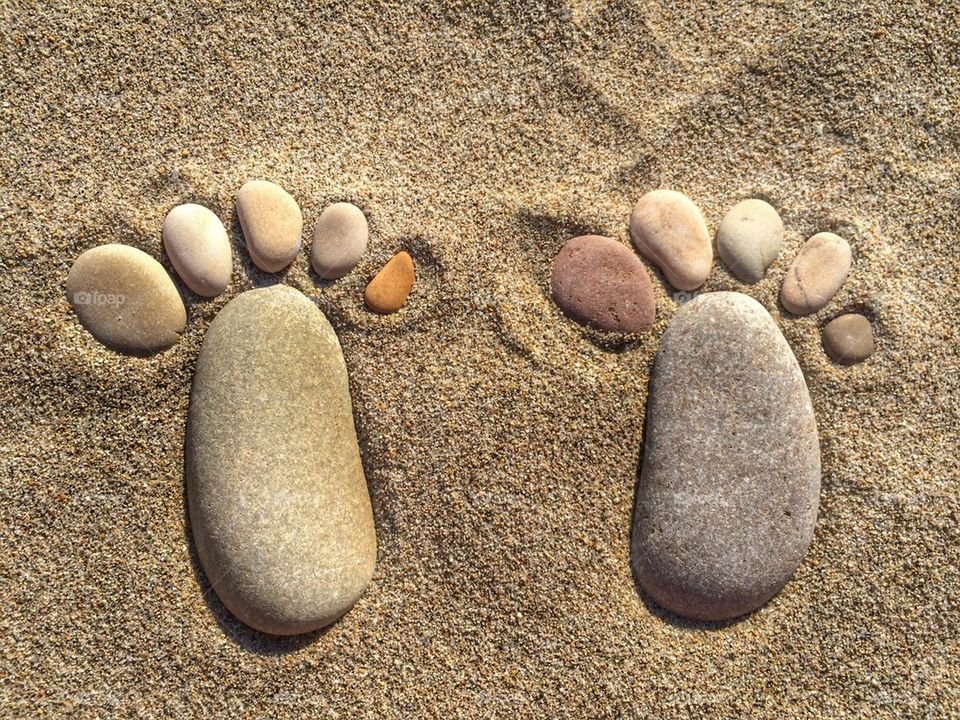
278, 502
729, 487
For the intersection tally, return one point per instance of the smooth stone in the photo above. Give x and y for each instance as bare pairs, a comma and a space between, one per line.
390, 287
729, 488
750, 238
668, 228
272, 224
126, 300
601, 283
848, 339
279, 507
199, 249
817, 273
339, 240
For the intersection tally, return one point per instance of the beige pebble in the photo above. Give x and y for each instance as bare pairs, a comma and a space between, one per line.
817, 273
668, 228
199, 249
126, 300
339, 240
272, 224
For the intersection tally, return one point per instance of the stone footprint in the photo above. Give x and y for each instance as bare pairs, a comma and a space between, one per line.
728, 488
278, 503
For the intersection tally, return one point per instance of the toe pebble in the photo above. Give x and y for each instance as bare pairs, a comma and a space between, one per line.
388, 290
126, 300
272, 224
848, 339
729, 487
601, 283
278, 503
339, 240
198, 247
668, 228
817, 273
749, 239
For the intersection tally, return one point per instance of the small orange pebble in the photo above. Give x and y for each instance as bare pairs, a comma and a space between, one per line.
390, 287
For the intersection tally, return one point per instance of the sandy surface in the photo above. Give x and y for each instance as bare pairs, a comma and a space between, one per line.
501, 441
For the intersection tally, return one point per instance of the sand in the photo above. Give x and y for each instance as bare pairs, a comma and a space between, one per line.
501, 441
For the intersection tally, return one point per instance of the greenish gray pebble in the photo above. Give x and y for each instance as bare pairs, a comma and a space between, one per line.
278, 502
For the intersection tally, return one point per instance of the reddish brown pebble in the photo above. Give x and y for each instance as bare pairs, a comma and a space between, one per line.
388, 290
602, 283
848, 339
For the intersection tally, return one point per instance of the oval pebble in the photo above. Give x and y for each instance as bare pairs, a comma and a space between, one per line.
339, 240
278, 503
750, 238
729, 487
668, 229
848, 339
601, 283
198, 247
272, 224
390, 287
126, 300
817, 274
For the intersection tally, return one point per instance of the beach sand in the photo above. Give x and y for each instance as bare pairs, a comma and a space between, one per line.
501, 441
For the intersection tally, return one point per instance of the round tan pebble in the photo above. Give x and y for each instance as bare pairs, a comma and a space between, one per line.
126, 300
272, 224
668, 228
848, 339
339, 240
817, 273
198, 247
388, 290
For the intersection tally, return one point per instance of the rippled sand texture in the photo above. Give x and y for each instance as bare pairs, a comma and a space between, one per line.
501, 441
